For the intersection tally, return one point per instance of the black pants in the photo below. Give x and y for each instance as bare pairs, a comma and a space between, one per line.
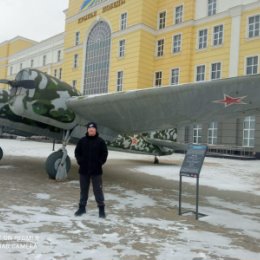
97, 189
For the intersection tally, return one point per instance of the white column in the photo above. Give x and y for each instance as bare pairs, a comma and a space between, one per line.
235, 13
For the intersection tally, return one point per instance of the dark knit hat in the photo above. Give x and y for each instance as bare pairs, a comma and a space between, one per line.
91, 125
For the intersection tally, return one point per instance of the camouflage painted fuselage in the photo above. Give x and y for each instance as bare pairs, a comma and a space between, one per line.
139, 143
46, 103
42, 110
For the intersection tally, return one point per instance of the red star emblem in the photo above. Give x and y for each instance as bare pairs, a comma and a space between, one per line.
134, 141
228, 100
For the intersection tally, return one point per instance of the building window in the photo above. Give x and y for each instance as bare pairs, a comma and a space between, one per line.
254, 26
200, 74
158, 79
32, 63
76, 60
119, 81
197, 134
77, 38
58, 55
186, 134
251, 65
160, 47
123, 21
162, 20
212, 7
178, 14
74, 83
55, 73
44, 60
213, 133
11, 70
121, 52
249, 131
60, 73
97, 59
202, 39
217, 35
216, 70
175, 76
176, 43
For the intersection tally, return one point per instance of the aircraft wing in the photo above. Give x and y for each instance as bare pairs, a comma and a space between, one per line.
167, 107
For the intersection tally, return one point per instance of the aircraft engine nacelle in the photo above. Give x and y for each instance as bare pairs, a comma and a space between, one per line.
42, 98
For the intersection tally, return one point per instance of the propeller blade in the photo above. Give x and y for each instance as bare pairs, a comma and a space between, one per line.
28, 84
4, 81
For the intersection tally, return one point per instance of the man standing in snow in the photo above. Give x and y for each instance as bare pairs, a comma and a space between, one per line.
91, 153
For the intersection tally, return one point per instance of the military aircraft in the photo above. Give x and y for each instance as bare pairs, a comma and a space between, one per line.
39, 104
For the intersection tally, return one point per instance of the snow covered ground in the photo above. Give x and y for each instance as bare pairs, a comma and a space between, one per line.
48, 229
235, 175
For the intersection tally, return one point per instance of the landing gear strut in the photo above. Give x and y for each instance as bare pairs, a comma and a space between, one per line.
156, 160
58, 163
1, 153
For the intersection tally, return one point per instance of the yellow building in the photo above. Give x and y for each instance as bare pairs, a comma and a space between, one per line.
134, 44
134, 30
9, 48
20, 53
111, 45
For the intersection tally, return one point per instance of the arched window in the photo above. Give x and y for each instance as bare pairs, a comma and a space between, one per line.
97, 59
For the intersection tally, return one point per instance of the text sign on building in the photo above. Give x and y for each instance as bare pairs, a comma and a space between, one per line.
193, 160
90, 3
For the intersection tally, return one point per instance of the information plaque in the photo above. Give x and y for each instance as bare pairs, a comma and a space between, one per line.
193, 160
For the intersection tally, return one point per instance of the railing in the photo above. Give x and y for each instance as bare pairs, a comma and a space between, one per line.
230, 150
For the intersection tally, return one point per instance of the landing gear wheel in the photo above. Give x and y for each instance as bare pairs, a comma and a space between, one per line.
53, 162
156, 160
1, 153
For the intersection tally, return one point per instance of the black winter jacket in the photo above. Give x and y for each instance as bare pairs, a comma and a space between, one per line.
91, 153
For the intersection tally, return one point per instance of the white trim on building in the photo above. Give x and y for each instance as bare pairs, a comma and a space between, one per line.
49, 48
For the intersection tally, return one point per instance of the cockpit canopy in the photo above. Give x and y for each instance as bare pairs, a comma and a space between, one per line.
23, 81
23, 75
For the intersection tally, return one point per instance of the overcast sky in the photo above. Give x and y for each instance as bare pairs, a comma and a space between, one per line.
33, 19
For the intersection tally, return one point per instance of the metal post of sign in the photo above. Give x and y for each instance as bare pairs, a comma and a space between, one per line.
197, 198
53, 145
196, 212
180, 193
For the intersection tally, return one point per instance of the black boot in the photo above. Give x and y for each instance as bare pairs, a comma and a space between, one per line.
102, 213
80, 211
